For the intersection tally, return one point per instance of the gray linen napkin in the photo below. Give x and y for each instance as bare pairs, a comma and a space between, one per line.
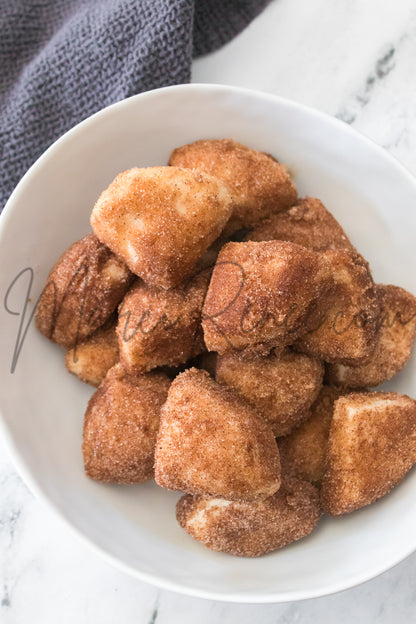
62, 60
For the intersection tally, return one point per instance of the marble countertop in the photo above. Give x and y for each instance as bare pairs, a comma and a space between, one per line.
350, 58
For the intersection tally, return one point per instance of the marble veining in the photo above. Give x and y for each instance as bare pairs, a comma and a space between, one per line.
356, 61
383, 67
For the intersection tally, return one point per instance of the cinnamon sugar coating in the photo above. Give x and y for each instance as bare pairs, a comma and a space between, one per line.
308, 223
372, 445
82, 291
397, 323
160, 220
92, 359
303, 452
259, 184
281, 387
262, 295
252, 529
211, 442
120, 426
348, 334
161, 327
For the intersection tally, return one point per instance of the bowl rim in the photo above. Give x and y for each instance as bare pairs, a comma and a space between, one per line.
19, 461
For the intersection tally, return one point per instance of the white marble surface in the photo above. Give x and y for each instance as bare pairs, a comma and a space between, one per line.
351, 58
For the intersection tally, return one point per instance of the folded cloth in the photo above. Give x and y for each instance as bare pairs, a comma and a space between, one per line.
62, 60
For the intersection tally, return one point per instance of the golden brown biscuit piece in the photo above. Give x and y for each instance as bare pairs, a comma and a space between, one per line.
262, 294
372, 445
281, 387
92, 359
348, 334
121, 425
252, 529
308, 223
397, 322
212, 443
161, 327
259, 184
160, 220
82, 291
303, 452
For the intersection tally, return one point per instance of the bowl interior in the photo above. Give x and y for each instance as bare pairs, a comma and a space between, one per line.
42, 406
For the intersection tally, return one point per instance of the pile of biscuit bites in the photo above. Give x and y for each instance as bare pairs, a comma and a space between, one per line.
233, 332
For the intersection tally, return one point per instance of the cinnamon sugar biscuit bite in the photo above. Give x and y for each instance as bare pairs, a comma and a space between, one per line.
262, 295
160, 220
92, 359
372, 445
82, 291
348, 334
281, 387
259, 184
211, 442
252, 529
308, 223
161, 327
397, 322
120, 426
303, 452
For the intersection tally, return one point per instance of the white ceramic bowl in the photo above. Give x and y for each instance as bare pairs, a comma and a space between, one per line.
42, 406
